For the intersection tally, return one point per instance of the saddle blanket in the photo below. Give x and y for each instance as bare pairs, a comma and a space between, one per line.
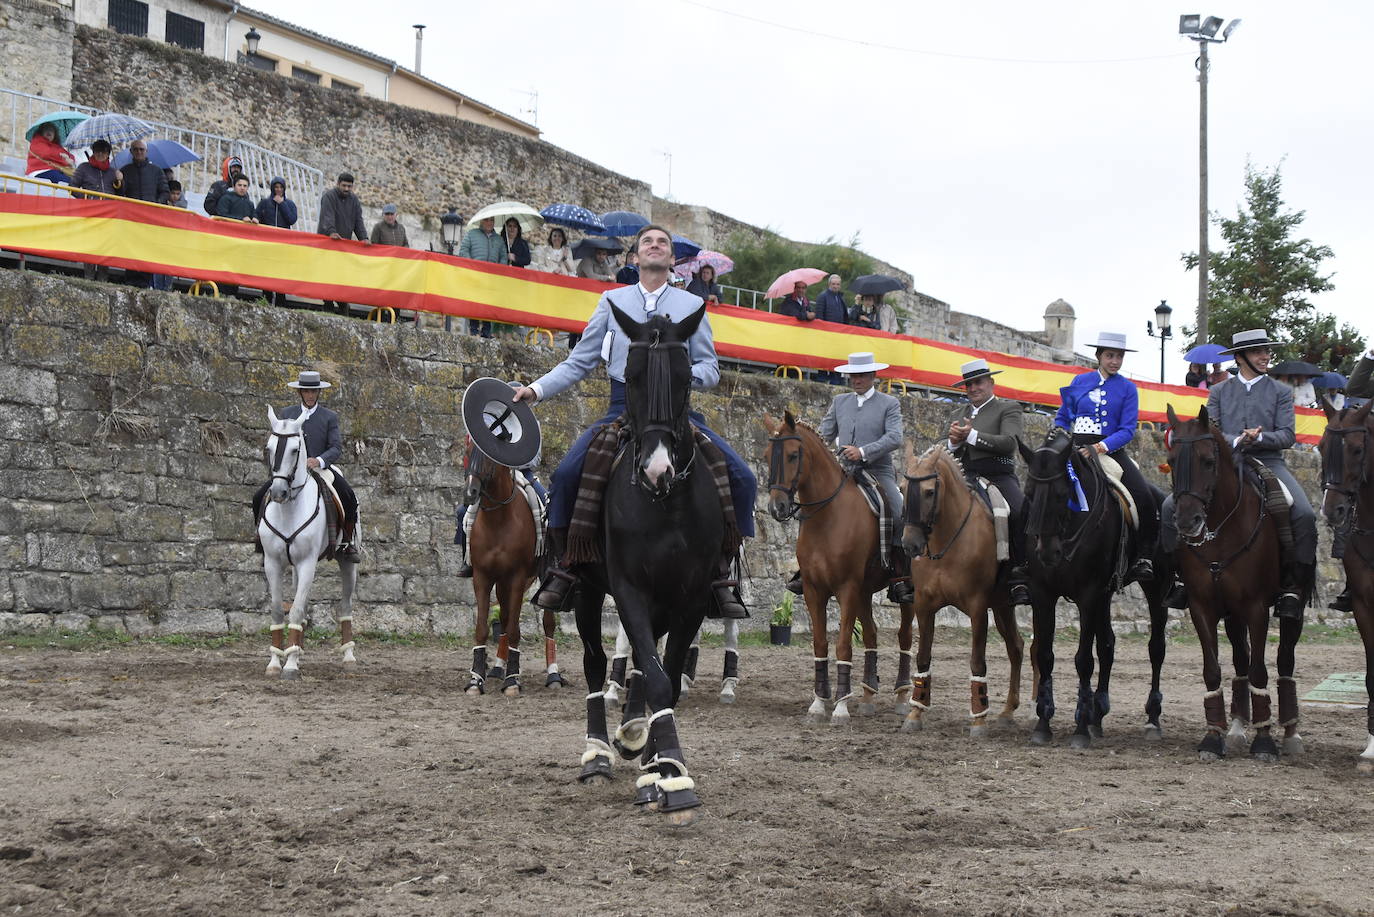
1001, 516
878, 506
537, 509
1112, 468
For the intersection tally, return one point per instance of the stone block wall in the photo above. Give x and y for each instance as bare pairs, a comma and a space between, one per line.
37, 50
131, 429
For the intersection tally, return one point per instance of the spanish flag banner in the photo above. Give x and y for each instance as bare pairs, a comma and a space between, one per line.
167, 240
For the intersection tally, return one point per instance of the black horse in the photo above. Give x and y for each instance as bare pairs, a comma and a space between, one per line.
1081, 555
661, 531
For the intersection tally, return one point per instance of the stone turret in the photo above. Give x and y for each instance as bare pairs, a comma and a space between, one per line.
1059, 322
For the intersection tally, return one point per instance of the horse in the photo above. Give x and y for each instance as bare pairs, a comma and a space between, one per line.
1080, 555
729, 679
1347, 449
661, 533
948, 532
837, 552
502, 554
294, 532
1228, 559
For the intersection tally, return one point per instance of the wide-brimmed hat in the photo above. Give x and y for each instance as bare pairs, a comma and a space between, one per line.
505, 430
309, 379
861, 363
1111, 340
974, 370
1249, 340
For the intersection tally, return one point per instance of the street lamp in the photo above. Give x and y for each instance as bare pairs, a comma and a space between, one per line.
1161, 328
252, 36
1203, 31
450, 228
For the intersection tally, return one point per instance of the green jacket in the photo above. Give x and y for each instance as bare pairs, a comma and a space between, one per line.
480, 246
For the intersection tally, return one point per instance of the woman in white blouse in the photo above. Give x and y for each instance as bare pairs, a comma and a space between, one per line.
556, 257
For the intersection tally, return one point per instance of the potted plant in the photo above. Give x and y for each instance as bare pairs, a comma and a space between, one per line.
780, 625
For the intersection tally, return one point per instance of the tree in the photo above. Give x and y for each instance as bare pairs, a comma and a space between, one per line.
760, 259
1264, 278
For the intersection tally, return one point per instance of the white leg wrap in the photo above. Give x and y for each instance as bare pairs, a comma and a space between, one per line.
296, 626
633, 734
552, 668
277, 627
666, 711
1216, 693
673, 784
346, 646
904, 652
293, 651
982, 679
825, 659
595, 694
681, 768
596, 749
346, 619
278, 653
648, 778
1368, 752
925, 674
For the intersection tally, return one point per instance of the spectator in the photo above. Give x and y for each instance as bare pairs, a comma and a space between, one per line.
704, 285
517, 249
277, 209
232, 169
341, 217
96, 174
47, 158
871, 312
143, 181
556, 257
483, 244
629, 273
597, 267
1196, 376
797, 305
236, 205
830, 305
390, 231
174, 195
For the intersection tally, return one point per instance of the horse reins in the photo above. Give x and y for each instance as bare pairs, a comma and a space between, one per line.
928, 525
277, 457
662, 412
775, 474
1096, 507
1183, 478
1333, 478
482, 481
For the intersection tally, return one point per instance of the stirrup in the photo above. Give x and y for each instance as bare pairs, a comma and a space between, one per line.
727, 602
465, 571
900, 591
1289, 605
1142, 571
1020, 594
555, 592
347, 550
1342, 602
794, 585
1177, 597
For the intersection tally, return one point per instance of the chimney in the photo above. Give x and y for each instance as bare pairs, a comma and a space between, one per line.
419, 43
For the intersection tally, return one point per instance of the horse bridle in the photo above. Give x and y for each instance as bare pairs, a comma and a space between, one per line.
1183, 473
279, 453
662, 412
928, 525
1333, 478
775, 457
1096, 507
477, 463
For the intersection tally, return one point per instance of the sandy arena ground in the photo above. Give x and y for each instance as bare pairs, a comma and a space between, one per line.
157, 779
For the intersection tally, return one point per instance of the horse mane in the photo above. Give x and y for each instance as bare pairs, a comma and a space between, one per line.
941, 455
803, 426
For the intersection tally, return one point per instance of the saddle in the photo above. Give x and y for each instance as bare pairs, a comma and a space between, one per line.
1111, 468
333, 510
873, 494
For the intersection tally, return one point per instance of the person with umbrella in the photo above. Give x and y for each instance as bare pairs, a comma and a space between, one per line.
482, 243
96, 174
1298, 376
517, 249
797, 305
872, 312
48, 159
556, 256
704, 285
596, 266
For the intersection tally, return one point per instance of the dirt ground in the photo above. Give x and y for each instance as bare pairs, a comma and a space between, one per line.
153, 779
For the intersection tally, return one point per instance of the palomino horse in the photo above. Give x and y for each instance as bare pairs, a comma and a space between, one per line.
1229, 560
294, 531
729, 679
1079, 554
837, 552
949, 534
1347, 450
662, 530
502, 545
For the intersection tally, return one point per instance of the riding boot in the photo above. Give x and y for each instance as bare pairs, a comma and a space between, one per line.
899, 585
1293, 591
1178, 595
347, 549
725, 591
556, 589
1142, 571
794, 585
1017, 578
1342, 602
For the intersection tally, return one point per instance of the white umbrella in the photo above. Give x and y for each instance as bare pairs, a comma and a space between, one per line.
529, 218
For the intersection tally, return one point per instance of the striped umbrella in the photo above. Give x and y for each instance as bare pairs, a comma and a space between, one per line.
573, 217
112, 127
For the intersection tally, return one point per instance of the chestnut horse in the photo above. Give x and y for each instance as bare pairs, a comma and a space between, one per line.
501, 549
1228, 557
1347, 449
837, 551
949, 534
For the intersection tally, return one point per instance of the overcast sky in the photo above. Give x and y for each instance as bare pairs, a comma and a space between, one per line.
1007, 155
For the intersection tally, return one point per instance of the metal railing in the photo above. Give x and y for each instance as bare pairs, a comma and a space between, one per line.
749, 299
304, 183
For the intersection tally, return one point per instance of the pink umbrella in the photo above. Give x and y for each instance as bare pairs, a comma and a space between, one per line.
783, 285
721, 263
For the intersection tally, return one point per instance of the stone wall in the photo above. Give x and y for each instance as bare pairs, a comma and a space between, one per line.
131, 424
37, 50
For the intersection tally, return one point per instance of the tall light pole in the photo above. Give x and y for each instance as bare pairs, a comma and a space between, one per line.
1161, 328
1203, 31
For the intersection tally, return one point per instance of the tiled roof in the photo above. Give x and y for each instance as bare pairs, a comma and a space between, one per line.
324, 39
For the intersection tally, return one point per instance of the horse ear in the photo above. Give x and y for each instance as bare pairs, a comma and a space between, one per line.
271, 416
1363, 412
1329, 408
1173, 418
909, 452
688, 326
789, 419
629, 326
1202, 417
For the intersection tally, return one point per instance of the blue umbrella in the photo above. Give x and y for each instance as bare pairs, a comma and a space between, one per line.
573, 217
1330, 381
64, 121
684, 248
1206, 353
115, 129
622, 223
165, 154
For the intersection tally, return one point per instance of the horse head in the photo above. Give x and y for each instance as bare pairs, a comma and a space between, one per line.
285, 455
784, 467
1197, 453
926, 476
1048, 493
658, 387
1346, 460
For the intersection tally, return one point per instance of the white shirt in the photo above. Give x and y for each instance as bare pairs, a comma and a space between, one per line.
651, 298
305, 415
863, 398
1249, 384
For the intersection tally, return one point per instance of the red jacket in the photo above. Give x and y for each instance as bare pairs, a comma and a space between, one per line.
45, 154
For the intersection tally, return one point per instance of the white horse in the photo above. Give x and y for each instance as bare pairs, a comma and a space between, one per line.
616, 682
294, 531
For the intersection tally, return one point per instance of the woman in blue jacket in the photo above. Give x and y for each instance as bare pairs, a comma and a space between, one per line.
1099, 412
277, 209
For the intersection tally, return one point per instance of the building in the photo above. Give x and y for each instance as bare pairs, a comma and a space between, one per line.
231, 32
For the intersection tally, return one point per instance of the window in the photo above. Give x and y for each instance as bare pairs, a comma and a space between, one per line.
259, 62
346, 87
184, 31
309, 76
129, 17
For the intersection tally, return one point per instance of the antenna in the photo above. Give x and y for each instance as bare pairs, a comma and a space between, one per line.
533, 109
668, 155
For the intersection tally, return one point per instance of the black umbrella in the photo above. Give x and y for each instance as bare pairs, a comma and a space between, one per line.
875, 285
590, 244
1295, 368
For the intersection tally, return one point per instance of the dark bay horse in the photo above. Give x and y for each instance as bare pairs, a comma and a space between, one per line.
949, 534
662, 528
502, 553
1078, 555
1347, 449
1228, 558
837, 553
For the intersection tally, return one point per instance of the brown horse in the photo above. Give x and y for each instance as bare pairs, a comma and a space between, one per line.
1347, 449
501, 550
837, 551
1228, 558
948, 531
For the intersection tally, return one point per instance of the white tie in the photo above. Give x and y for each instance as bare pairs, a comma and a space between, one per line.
651, 301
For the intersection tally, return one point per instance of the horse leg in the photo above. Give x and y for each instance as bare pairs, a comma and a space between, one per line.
295, 628
633, 730
552, 678
272, 566
902, 689
348, 575
1084, 663
867, 707
1004, 616
619, 663
1154, 704
1239, 637
1290, 631
511, 597
1212, 746
920, 679
844, 654
477, 677
820, 652
1364, 619
1106, 658
596, 758
1042, 652
689, 665
730, 673
978, 670
1263, 747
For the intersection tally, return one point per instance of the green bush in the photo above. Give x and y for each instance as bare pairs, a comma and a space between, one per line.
759, 260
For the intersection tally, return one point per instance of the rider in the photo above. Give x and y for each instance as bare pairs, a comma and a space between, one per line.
600, 341
324, 446
983, 435
1255, 413
1099, 411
